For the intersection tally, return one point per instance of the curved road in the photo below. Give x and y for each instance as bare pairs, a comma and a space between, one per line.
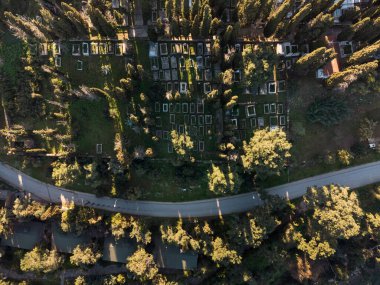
353, 177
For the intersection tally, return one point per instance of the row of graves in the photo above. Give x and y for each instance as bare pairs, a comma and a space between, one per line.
245, 118
184, 117
179, 64
80, 49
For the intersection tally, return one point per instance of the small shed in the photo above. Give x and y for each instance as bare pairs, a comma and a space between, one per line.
25, 235
118, 250
66, 242
171, 257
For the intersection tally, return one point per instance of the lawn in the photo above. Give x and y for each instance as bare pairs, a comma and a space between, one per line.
91, 125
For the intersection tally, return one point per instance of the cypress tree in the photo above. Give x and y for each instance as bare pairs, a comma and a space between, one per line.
315, 59
103, 26
299, 16
248, 11
364, 54
75, 18
277, 17
206, 21
354, 30
195, 27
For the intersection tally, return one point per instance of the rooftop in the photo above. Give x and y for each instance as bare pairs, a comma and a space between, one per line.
25, 235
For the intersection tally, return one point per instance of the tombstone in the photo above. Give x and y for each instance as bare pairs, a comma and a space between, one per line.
200, 107
206, 87
253, 123
185, 48
208, 77
207, 49
159, 134
260, 122
234, 123
58, 61
161, 75
282, 121
173, 46
177, 108
208, 130
110, 48
170, 148
102, 48
273, 108
79, 65
193, 120
173, 62
201, 146
192, 108
201, 131
199, 75
266, 108
167, 75
208, 119
174, 75
250, 110
181, 129
182, 87
200, 62
119, 49
186, 119
200, 48
154, 65
99, 148
201, 120
165, 107
165, 135
207, 62
155, 75
43, 49
158, 122
281, 86
163, 48
94, 48
272, 87
280, 108
237, 75
171, 108
57, 48
85, 49
165, 62
157, 107
243, 124
169, 87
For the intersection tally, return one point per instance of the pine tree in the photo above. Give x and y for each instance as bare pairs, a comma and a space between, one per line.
27, 26
195, 9
277, 17
103, 25
185, 9
169, 9
266, 8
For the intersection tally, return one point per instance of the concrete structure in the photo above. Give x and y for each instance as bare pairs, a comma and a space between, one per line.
118, 250
24, 235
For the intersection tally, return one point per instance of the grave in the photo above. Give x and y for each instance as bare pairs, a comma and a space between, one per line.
85, 49
165, 62
200, 48
165, 107
177, 108
99, 148
200, 107
266, 108
208, 77
193, 119
186, 119
58, 61
273, 108
201, 120
171, 108
185, 108
175, 75
163, 48
192, 108
250, 110
94, 48
75, 49
208, 119
207, 87
280, 108
79, 65
119, 49
172, 118
282, 121
253, 123
260, 122
173, 62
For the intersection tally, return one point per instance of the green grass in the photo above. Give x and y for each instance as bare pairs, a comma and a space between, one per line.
11, 50
369, 197
92, 126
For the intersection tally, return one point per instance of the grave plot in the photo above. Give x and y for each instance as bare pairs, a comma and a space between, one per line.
183, 65
193, 118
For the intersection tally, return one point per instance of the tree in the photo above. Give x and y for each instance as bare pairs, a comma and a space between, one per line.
248, 11
229, 34
83, 256
258, 64
179, 236
327, 111
4, 221
102, 24
119, 224
266, 152
75, 18
316, 27
311, 61
182, 143
335, 211
220, 182
277, 17
299, 17
41, 261
364, 54
80, 280
141, 263
139, 230
354, 30
344, 157
195, 27
64, 173
341, 80
222, 255
206, 21
366, 129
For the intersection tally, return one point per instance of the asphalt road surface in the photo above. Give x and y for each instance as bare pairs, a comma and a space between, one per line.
353, 177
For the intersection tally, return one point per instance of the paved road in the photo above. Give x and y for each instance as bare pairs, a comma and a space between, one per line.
353, 177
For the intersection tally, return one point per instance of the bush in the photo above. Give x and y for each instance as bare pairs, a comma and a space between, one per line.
328, 111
